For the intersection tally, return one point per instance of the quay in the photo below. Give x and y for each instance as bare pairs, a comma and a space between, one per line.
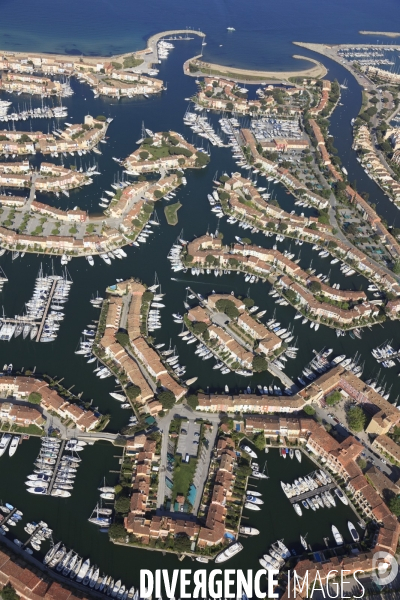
53, 477
311, 493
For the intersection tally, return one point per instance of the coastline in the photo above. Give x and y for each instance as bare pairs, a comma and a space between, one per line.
317, 71
150, 45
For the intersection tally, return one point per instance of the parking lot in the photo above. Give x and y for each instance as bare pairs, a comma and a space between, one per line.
189, 438
266, 129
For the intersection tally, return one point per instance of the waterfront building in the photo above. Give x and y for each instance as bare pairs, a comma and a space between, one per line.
21, 387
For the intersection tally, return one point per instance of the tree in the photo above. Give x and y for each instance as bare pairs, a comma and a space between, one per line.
396, 267
394, 505
133, 391
362, 463
34, 398
309, 410
122, 504
166, 398
211, 260
333, 398
100, 118
192, 400
199, 328
315, 287
356, 418
144, 154
9, 593
116, 530
259, 440
259, 364
227, 307
248, 302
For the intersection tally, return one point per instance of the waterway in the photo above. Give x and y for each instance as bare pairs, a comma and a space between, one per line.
68, 518
270, 47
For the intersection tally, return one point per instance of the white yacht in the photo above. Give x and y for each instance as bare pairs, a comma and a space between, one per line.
229, 552
5, 440
14, 445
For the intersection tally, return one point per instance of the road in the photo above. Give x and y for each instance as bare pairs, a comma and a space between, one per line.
203, 465
164, 424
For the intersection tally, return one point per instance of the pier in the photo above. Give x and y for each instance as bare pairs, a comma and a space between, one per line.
8, 517
36, 530
310, 493
46, 310
55, 472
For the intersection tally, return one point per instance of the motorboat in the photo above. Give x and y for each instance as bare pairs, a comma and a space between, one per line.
353, 531
249, 451
229, 552
251, 506
5, 440
14, 445
245, 530
337, 536
297, 508
341, 496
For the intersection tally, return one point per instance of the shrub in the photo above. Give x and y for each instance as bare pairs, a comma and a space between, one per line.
259, 364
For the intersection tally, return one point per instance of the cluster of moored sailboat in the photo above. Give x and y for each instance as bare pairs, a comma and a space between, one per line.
55, 468
203, 128
69, 564
48, 299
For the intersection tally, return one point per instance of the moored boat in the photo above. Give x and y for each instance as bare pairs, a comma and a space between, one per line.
229, 552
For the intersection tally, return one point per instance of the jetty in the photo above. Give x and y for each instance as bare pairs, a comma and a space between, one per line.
311, 493
55, 471
46, 310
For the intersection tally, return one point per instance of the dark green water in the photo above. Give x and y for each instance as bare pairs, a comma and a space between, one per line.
276, 520
68, 517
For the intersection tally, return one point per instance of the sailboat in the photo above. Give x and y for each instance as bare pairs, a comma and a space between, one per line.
97, 518
303, 542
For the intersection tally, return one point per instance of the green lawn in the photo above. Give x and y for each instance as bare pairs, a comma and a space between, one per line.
183, 476
30, 430
171, 213
156, 151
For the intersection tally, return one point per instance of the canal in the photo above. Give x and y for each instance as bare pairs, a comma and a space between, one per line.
69, 517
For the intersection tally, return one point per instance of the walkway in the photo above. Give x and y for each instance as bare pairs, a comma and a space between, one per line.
55, 471
46, 310
285, 379
311, 493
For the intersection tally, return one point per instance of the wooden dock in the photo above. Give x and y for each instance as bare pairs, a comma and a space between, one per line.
46, 310
55, 472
